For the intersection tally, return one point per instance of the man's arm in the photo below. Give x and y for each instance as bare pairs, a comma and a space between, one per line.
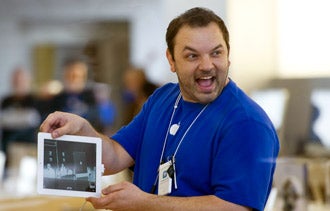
126, 196
114, 156
203, 203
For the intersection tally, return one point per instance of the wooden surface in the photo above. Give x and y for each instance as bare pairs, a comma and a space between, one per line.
42, 203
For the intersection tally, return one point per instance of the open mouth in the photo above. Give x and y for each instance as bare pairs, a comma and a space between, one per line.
206, 82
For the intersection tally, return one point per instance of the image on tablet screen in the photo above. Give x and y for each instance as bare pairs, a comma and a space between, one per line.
69, 165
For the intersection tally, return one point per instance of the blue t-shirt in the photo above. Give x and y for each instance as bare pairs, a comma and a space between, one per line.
229, 152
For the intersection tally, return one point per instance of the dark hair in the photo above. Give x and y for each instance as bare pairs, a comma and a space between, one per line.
195, 17
74, 60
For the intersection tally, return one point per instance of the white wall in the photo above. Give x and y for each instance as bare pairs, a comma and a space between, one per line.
304, 38
278, 39
148, 42
252, 27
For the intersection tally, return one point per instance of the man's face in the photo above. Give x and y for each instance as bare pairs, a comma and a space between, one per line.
75, 77
200, 62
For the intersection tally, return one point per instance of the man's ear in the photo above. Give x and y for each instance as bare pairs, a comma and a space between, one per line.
170, 60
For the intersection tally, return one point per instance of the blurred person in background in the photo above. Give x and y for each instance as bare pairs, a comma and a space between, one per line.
137, 88
77, 97
106, 108
45, 95
19, 116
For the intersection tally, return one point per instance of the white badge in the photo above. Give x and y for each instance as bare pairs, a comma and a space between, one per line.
164, 180
174, 128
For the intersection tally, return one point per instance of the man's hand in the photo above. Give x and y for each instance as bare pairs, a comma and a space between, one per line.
61, 123
121, 196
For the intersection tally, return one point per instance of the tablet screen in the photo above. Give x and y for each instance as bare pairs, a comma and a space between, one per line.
69, 165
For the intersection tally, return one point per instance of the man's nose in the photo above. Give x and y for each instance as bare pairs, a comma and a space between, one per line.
206, 63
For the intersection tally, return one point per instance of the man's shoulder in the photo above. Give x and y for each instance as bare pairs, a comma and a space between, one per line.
169, 86
236, 103
163, 96
166, 90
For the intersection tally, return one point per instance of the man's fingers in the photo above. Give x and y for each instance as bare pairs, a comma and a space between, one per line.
113, 188
57, 133
98, 203
94, 201
56, 124
50, 122
45, 126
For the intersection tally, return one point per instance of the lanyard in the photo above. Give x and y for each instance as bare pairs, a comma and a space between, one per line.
182, 138
169, 126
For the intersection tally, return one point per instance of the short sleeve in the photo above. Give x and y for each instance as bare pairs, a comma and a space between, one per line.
244, 164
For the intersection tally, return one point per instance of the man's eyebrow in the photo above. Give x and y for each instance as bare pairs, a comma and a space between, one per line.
217, 47
189, 49
194, 50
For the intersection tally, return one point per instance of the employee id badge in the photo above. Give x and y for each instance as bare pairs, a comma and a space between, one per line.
164, 180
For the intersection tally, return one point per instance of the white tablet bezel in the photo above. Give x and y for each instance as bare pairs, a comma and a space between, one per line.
43, 189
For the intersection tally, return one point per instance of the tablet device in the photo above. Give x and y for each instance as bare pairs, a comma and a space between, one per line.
69, 165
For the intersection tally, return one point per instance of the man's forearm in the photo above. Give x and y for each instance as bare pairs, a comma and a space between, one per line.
200, 203
114, 156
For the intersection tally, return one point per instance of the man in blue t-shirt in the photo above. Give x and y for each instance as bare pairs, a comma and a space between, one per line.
201, 144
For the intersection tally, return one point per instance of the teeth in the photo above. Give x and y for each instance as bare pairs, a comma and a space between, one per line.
206, 77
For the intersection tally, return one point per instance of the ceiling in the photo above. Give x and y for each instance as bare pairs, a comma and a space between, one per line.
36, 11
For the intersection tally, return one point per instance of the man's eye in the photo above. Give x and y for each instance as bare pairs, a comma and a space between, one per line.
191, 56
216, 53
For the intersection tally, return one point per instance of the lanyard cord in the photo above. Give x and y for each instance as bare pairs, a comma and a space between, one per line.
153, 189
169, 126
167, 132
184, 135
